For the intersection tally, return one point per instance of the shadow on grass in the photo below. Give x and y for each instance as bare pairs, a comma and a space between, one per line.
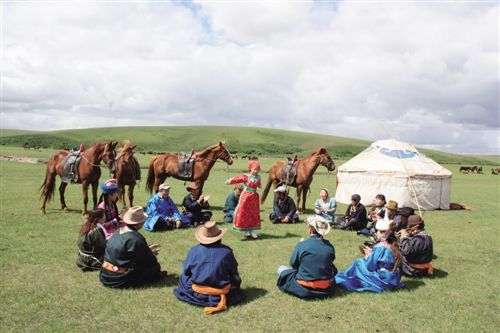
268, 236
253, 293
168, 281
439, 274
413, 284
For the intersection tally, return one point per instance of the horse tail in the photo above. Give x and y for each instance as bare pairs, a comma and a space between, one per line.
151, 176
266, 190
48, 185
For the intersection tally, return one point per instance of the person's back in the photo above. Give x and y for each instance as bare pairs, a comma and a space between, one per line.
209, 274
313, 272
128, 260
416, 249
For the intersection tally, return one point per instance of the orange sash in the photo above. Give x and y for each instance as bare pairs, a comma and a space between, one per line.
427, 266
316, 284
112, 268
207, 290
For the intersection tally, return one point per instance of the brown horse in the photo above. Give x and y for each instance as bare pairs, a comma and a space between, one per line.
89, 172
127, 172
167, 165
305, 171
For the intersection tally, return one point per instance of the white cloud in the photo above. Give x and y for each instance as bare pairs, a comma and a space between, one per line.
424, 73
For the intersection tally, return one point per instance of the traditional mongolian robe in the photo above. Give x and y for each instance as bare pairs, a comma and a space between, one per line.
134, 261
373, 273
311, 261
211, 265
284, 208
355, 218
91, 250
158, 210
230, 206
327, 208
247, 213
112, 217
416, 250
193, 210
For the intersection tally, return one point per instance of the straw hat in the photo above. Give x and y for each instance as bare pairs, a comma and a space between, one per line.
209, 233
391, 204
135, 215
319, 224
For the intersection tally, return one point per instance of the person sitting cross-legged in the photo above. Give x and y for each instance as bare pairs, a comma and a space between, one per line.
193, 204
128, 260
284, 209
415, 245
232, 202
162, 212
355, 216
313, 273
379, 270
325, 206
209, 275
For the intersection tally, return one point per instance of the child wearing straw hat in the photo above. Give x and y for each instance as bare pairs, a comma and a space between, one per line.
313, 273
210, 275
128, 260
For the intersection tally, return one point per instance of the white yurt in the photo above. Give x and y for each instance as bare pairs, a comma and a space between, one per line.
397, 170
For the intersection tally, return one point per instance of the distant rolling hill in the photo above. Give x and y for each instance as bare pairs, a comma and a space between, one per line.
239, 140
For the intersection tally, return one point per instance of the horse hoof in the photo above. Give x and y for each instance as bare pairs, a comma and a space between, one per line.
66, 209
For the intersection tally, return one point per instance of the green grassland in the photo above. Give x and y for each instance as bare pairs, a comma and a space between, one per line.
240, 140
43, 290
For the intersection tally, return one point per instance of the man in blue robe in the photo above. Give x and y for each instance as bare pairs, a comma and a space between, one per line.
231, 203
313, 273
210, 266
162, 211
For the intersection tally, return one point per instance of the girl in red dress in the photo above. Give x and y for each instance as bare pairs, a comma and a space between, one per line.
247, 213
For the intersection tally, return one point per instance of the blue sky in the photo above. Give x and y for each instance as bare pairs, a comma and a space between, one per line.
425, 73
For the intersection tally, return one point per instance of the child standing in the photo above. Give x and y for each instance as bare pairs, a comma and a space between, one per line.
247, 213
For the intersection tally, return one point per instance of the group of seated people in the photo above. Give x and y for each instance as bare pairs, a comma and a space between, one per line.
210, 276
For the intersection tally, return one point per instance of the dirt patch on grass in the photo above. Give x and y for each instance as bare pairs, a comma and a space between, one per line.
31, 160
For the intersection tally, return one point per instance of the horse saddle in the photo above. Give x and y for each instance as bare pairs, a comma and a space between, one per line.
186, 164
70, 168
289, 172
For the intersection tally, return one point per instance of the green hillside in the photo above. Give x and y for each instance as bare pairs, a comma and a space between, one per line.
240, 140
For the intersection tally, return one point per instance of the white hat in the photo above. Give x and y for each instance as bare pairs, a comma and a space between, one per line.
319, 224
383, 225
135, 215
164, 186
280, 189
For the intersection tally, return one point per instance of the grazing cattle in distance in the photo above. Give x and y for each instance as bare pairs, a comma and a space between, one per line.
495, 171
253, 158
479, 170
465, 169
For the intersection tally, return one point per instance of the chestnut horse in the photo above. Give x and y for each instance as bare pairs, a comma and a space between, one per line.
305, 171
127, 172
167, 165
89, 172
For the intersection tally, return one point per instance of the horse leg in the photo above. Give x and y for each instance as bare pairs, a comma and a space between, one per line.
62, 189
94, 193
299, 193
85, 189
130, 195
304, 196
158, 181
121, 196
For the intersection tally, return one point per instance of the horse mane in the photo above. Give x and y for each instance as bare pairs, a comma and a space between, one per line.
209, 149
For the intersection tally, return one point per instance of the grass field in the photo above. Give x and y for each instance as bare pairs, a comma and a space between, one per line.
43, 290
